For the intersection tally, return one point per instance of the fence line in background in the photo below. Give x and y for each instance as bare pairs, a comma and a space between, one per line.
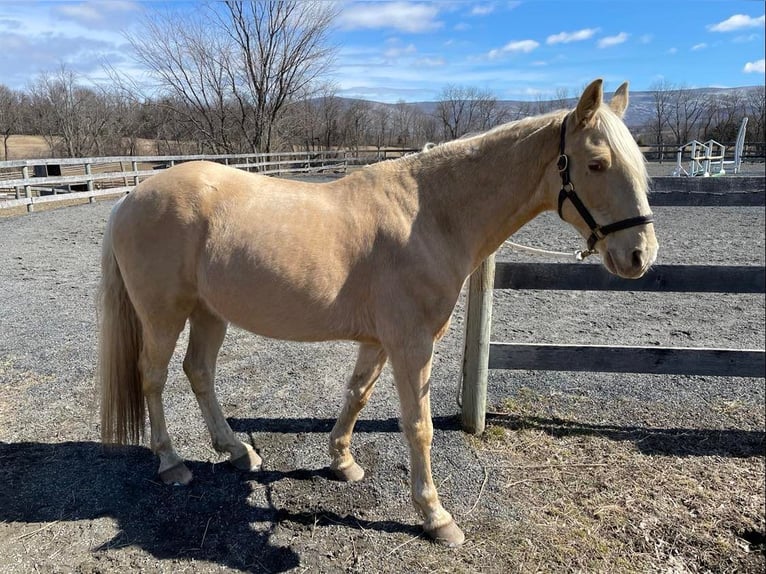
751, 152
31, 181
27, 182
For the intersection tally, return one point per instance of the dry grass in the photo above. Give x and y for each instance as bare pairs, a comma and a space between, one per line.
25, 147
35, 147
48, 205
590, 503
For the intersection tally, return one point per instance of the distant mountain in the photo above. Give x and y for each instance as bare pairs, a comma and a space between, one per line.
640, 111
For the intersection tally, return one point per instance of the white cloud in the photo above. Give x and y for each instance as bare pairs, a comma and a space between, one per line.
743, 39
403, 16
397, 51
92, 12
483, 9
430, 62
609, 41
757, 67
567, 37
698, 47
673, 51
646, 39
523, 46
737, 22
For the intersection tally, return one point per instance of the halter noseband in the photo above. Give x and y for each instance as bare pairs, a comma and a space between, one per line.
598, 232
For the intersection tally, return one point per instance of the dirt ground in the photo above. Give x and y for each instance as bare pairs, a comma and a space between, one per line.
577, 472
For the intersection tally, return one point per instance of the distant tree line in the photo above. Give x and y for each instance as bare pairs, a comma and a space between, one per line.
681, 114
249, 76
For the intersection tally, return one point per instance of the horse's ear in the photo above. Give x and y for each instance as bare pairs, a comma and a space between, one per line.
619, 102
589, 102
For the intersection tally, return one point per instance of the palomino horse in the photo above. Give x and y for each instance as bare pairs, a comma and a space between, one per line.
377, 257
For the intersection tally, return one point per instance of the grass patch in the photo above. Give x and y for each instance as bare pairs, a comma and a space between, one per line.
603, 499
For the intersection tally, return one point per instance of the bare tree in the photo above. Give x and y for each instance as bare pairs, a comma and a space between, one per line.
380, 125
193, 66
661, 91
426, 128
330, 110
357, 123
723, 116
235, 66
402, 116
284, 48
684, 109
11, 115
463, 109
756, 112
71, 117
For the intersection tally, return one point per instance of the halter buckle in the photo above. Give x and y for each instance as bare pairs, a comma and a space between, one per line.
563, 162
581, 254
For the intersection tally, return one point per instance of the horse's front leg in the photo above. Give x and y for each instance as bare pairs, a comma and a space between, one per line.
411, 362
369, 364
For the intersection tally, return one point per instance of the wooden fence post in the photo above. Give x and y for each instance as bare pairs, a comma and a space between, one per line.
27, 189
25, 175
89, 173
476, 354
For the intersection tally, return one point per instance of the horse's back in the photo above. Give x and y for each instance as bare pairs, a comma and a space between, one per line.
274, 256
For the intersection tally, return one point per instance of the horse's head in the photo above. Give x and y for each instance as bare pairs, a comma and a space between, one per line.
603, 182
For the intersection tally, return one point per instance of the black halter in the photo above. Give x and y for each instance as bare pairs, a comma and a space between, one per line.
598, 232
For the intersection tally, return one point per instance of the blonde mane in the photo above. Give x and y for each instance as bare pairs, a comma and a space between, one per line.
626, 152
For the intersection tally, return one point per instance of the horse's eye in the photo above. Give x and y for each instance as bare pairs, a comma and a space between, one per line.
596, 166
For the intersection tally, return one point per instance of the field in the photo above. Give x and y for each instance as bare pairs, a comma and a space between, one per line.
576, 472
33, 147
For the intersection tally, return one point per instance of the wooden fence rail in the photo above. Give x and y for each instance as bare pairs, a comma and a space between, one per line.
482, 355
27, 182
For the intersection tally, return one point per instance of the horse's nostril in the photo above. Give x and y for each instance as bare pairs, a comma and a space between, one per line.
638, 258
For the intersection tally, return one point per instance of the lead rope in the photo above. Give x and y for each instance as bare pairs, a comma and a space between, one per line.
579, 255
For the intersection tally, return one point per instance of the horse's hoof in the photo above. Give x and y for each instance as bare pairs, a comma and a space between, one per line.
177, 475
248, 462
448, 535
353, 473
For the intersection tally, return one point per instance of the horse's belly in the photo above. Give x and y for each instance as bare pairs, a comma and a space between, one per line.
284, 312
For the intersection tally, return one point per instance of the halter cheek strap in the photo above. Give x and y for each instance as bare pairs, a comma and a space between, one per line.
598, 232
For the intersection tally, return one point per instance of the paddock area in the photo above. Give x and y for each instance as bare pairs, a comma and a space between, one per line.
591, 472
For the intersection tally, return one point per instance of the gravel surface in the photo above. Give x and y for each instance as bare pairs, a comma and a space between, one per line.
66, 504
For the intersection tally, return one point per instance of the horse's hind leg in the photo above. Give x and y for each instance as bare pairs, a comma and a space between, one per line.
157, 349
205, 338
369, 364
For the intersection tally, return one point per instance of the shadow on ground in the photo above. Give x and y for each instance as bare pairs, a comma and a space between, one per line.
215, 519
731, 443
211, 520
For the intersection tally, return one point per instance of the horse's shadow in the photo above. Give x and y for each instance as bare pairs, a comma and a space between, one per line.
210, 520
213, 519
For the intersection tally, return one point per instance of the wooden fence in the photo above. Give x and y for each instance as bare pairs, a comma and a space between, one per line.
29, 182
481, 355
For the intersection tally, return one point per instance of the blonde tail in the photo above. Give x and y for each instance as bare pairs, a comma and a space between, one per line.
119, 345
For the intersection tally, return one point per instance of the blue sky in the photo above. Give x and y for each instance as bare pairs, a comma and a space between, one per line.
399, 50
